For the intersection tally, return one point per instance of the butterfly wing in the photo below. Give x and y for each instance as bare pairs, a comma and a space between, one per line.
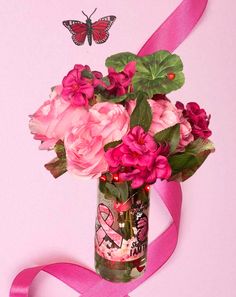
101, 27
78, 31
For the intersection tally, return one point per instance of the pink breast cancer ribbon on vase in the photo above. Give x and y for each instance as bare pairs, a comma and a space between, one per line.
106, 226
168, 36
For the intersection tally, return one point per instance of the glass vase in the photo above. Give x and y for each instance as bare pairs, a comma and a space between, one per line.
121, 236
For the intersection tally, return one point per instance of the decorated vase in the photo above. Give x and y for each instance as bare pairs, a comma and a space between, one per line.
121, 235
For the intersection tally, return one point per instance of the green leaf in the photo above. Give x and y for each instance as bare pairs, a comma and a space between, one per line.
170, 135
185, 164
57, 167
112, 189
152, 71
200, 145
123, 188
102, 187
119, 61
119, 99
112, 145
60, 149
143, 196
119, 190
142, 114
87, 74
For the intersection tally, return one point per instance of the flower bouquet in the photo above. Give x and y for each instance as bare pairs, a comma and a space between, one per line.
122, 129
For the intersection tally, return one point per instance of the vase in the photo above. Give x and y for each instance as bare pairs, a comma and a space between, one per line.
121, 233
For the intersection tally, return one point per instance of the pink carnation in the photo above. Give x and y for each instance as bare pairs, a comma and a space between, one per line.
138, 159
54, 119
198, 119
107, 122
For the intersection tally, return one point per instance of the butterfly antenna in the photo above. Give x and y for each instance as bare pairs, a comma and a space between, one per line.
93, 12
85, 14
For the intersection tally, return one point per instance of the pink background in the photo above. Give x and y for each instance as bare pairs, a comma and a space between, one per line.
45, 220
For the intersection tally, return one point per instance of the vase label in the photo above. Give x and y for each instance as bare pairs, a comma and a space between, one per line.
121, 236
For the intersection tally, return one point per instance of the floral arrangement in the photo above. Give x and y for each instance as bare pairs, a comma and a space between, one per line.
123, 123
122, 129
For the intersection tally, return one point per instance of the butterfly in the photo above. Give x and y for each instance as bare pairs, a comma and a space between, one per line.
97, 31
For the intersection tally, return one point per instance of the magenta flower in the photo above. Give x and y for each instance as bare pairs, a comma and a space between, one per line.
120, 81
159, 168
198, 119
97, 79
138, 159
76, 88
113, 156
139, 175
137, 148
139, 141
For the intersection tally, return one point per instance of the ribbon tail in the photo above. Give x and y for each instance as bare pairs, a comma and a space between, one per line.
100, 234
176, 27
75, 276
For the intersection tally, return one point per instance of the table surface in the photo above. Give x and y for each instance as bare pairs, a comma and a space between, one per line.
44, 220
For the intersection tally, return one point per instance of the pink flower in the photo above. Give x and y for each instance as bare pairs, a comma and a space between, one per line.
198, 119
54, 119
97, 79
186, 135
139, 141
138, 159
113, 157
137, 148
160, 97
165, 115
107, 122
78, 89
160, 168
120, 81
139, 175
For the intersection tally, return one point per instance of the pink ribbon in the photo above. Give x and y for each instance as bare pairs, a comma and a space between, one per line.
105, 226
86, 282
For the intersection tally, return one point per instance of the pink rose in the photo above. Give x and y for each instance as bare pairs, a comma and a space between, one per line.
107, 122
165, 115
54, 119
186, 135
